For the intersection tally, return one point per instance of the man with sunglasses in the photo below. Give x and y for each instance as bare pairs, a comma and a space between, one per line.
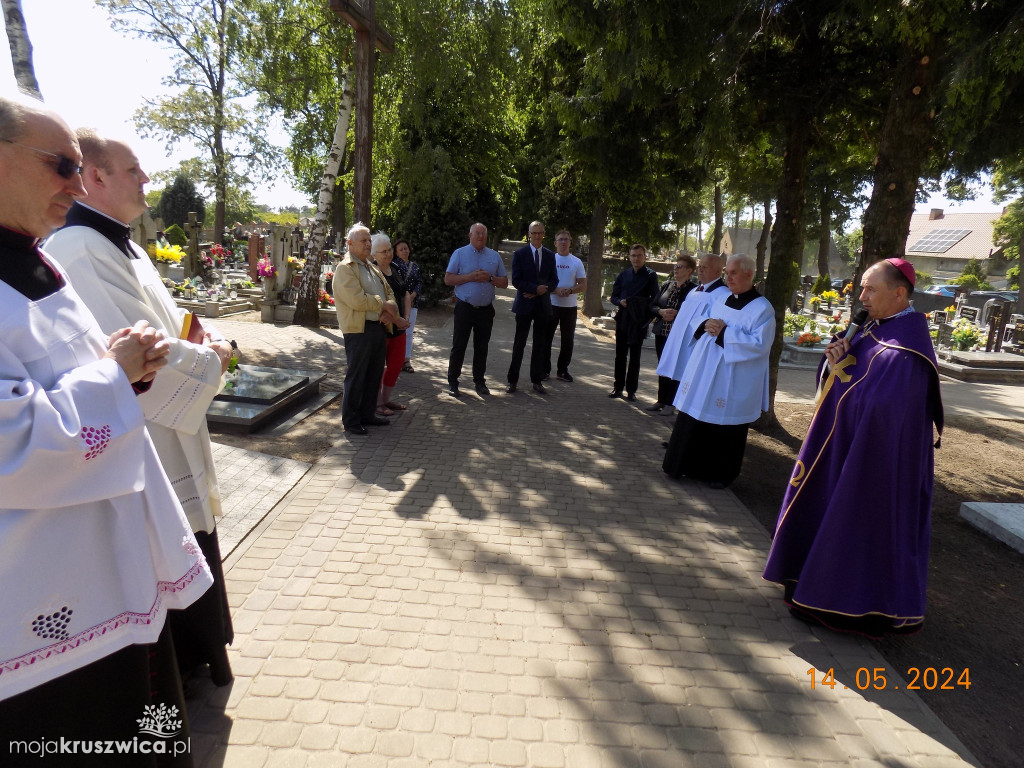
120, 285
94, 546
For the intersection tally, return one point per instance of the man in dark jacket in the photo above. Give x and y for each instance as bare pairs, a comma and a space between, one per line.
534, 277
633, 292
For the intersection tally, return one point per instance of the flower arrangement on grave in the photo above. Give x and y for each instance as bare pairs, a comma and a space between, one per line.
295, 264
326, 300
205, 260
171, 255
793, 324
847, 288
218, 251
265, 268
966, 336
951, 308
246, 284
829, 297
808, 339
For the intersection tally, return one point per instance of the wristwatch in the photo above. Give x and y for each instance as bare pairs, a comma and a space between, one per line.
490, 279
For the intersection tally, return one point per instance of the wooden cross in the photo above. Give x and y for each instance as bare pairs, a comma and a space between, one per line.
361, 15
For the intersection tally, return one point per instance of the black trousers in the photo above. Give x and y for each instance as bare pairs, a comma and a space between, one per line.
365, 354
477, 321
666, 386
540, 353
564, 318
627, 375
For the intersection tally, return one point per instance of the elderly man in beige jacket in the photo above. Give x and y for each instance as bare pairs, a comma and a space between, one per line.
365, 304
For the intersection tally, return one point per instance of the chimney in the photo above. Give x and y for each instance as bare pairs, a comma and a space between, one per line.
935, 214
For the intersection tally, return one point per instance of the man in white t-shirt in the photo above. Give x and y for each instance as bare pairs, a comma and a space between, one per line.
572, 279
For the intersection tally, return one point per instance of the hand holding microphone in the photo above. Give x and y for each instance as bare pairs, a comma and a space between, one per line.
837, 349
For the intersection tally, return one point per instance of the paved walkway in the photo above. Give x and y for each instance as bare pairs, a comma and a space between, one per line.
251, 484
512, 581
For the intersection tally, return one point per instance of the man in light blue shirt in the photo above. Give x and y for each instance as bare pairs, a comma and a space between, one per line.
474, 271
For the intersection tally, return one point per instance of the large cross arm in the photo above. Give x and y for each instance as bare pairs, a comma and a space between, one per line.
355, 13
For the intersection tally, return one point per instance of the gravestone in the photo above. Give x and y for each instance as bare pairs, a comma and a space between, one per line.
940, 317
255, 251
969, 313
254, 396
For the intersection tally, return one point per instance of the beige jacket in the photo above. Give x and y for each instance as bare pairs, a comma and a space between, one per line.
355, 305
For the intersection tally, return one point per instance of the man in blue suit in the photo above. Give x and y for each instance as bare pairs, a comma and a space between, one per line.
534, 277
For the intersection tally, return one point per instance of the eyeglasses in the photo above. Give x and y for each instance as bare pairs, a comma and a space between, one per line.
66, 167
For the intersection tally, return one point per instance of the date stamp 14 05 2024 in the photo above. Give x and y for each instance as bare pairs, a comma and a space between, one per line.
926, 678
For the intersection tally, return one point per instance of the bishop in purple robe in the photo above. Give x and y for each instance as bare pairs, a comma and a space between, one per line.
851, 542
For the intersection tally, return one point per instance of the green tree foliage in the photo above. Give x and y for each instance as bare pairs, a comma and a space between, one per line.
205, 107
180, 198
446, 131
1013, 278
973, 277
176, 235
295, 55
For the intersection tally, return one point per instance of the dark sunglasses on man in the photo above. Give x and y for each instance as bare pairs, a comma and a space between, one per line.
66, 167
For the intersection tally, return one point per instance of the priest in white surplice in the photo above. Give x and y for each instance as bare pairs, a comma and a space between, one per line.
120, 285
724, 385
692, 312
94, 546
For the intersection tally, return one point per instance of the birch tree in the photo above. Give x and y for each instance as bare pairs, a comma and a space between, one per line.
307, 311
21, 49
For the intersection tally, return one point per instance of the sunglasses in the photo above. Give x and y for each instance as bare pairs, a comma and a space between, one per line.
66, 167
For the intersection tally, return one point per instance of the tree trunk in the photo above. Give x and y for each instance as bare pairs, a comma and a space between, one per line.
716, 243
21, 49
824, 237
787, 244
365, 57
903, 146
593, 305
339, 215
762, 242
1020, 277
307, 309
750, 234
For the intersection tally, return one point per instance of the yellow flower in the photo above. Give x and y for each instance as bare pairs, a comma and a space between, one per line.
171, 255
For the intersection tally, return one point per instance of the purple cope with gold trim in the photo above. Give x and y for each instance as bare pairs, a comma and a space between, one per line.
852, 537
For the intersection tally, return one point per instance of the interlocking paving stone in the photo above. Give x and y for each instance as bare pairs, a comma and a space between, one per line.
511, 581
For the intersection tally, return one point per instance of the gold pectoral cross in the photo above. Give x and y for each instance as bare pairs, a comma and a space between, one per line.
838, 370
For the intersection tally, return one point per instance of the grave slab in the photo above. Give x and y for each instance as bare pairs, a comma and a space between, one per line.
257, 395
1004, 522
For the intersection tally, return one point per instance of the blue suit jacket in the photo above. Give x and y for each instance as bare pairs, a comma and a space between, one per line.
525, 279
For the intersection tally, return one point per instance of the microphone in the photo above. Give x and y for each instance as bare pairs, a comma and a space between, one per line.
855, 323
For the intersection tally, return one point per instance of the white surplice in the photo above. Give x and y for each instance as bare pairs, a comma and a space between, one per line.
120, 291
94, 546
728, 384
679, 344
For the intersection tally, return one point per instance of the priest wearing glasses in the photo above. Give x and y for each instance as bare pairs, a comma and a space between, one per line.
94, 545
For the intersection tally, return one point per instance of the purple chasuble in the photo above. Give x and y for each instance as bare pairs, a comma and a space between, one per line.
853, 534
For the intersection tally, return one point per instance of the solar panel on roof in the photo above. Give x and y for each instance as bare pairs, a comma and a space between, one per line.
939, 241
